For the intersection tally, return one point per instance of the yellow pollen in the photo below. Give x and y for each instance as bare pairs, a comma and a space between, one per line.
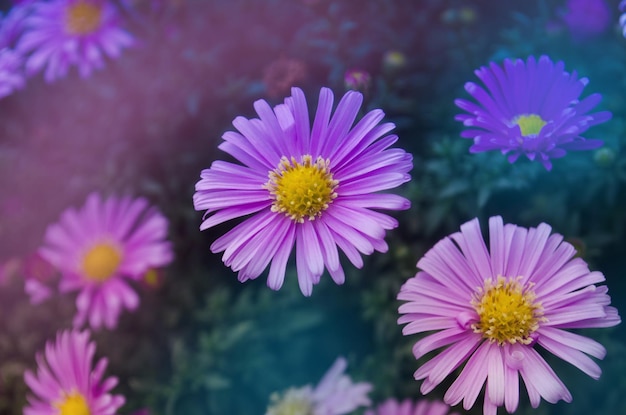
301, 189
508, 312
83, 18
530, 124
73, 404
101, 261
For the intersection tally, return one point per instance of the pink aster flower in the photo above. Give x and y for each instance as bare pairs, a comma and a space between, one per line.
336, 394
408, 407
62, 33
66, 383
101, 247
491, 310
312, 187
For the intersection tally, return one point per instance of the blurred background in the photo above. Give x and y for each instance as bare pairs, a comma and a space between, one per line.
150, 121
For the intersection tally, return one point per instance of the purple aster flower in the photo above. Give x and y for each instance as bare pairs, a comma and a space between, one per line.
101, 247
62, 33
312, 187
408, 407
491, 309
587, 18
66, 382
336, 394
529, 108
11, 72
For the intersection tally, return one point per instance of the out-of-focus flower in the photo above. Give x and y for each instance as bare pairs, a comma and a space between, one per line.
312, 187
66, 383
63, 33
102, 246
587, 18
336, 394
38, 275
605, 157
9, 269
490, 309
529, 108
393, 61
12, 24
622, 18
11, 72
408, 407
153, 278
357, 80
282, 74
459, 15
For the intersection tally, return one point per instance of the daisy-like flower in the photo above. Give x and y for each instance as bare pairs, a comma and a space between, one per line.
312, 187
491, 309
66, 383
99, 248
11, 72
62, 33
336, 394
408, 407
529, 108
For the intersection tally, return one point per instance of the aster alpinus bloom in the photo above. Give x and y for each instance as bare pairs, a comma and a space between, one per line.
63, 33
100, 248
491, 309
336, 394
408, 407
529, 108
67, 383
312, 187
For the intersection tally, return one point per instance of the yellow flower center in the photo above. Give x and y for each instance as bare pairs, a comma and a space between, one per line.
301, 189
101, 261
530, 125
83, 18
294, 402
73, 404
507, 311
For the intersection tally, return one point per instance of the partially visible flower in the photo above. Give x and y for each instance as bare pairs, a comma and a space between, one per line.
64, 33
38, 275
393, 61
622, 18
491, 308
357, 80
12, 24
283, 74
99, 248
314, 188
587, 18
529, 108
153, 278
11, 72
66, 383
336, 394
408, 407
